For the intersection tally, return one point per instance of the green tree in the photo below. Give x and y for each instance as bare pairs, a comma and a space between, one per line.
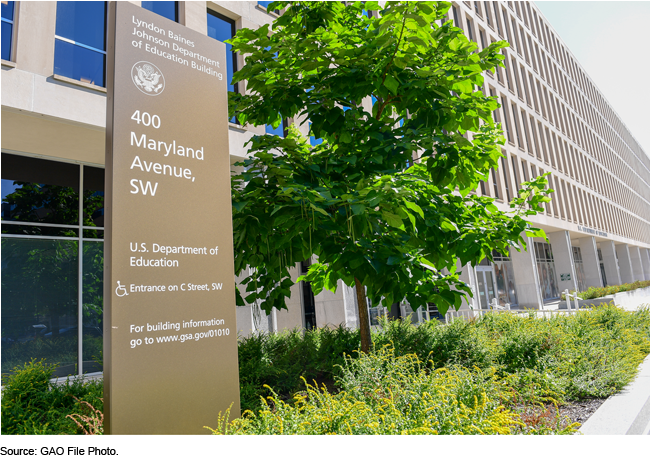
384, 202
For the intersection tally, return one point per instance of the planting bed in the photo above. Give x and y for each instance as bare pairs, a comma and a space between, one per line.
500, 374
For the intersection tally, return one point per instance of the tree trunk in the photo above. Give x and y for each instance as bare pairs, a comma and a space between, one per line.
364, 320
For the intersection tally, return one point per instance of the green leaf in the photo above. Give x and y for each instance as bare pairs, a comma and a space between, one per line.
414, 207
358, 208
318, 209
392, 219
239, 205
447, 226
392, 84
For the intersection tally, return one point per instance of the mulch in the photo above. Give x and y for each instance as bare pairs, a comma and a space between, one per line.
580, 411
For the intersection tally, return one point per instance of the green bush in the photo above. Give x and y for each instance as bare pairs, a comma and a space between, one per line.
459, 343
382, 393
523, 363
280, 360
31, 404
590, 354
597, 292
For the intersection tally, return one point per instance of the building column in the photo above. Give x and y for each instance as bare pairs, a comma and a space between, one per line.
637, 267
563, 260
529, 293
624, 263
645, 262
350, 306
590, 261
610, 262
468, 275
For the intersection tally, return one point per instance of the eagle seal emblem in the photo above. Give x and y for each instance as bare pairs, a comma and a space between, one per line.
148, 78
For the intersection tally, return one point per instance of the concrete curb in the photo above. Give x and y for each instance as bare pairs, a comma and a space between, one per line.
627, 412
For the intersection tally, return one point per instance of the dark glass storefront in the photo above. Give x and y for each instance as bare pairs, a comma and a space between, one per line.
52, 264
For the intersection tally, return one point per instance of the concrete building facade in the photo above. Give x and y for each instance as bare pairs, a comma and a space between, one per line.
53, 136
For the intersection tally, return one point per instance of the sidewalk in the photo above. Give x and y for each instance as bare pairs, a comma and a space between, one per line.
627, 412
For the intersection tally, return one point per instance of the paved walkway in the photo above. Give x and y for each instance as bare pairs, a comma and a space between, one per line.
627, 412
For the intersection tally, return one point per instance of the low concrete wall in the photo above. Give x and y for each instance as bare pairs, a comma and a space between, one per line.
628, 300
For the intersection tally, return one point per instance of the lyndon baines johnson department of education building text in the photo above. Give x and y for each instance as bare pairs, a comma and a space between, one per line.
53, 141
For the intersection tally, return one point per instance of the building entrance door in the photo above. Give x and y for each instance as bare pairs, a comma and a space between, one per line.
485, 277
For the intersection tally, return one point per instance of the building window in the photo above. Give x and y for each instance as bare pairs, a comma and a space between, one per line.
504, 105
7, 29
222, 28
52, 264
495, 184
313, 140
265, 5
456, 21
80, 45
469, 30
516, 123
602, 268
308, 300
514, 172
481, 34
167, 10
506, 175
579, 267
546, 271
504, 275
281, 130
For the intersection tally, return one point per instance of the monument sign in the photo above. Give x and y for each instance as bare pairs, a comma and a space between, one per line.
170, 334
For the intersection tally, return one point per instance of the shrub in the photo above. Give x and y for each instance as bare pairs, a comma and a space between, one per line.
523, 364
386, 394
458, 343
31, 404
597, 292
280, 360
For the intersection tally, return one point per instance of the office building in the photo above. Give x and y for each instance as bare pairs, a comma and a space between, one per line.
53, 139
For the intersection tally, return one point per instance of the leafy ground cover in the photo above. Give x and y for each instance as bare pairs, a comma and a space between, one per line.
597, 292
500, 374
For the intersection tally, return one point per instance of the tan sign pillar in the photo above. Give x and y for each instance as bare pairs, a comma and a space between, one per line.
170, 333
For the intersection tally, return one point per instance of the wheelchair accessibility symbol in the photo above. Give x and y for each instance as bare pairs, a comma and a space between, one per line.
120, 291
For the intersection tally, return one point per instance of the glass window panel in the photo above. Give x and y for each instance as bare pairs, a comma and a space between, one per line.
505, 278
167, 10
313, 141
39, 230
93, 197
43, 191
222, 29
546, 270
39, 303
579, 268
82, 22
7, 32
79, 63
94, 234
8, 10
482, 291
374, 314
489, 285
279, 131
93, 305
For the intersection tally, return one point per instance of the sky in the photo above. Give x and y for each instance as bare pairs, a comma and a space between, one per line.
611, 42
